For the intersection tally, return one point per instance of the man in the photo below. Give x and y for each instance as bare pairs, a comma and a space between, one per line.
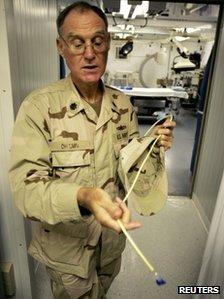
65, 150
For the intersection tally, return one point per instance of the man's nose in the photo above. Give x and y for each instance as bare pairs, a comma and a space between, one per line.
89, 52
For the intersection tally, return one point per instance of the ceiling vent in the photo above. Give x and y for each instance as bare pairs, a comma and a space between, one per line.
156, 7
134, 2
111, 6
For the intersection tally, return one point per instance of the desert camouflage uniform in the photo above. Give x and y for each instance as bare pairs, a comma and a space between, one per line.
59, 144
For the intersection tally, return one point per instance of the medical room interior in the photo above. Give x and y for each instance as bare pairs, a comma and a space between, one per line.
167, 58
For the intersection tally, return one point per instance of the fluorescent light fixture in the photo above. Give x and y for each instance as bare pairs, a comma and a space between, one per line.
191, 30
181, 38
189, 5
199, 28
206, 26
125, 8
140, 9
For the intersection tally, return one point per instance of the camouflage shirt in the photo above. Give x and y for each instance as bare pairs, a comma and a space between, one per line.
59, 145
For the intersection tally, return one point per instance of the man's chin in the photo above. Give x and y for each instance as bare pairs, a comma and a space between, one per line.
91, 79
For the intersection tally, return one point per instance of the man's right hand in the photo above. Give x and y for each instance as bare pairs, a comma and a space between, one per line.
104, 209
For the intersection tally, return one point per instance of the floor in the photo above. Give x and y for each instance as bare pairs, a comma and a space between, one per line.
178, 159
173, 240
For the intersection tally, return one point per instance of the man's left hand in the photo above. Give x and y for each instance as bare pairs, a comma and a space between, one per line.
166, 132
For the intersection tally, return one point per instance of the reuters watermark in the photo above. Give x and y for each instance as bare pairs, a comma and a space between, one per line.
198, 289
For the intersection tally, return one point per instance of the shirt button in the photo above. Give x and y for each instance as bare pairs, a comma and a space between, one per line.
73, 106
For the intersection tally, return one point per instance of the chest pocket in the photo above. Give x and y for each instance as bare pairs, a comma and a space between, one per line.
72, 161
71, 158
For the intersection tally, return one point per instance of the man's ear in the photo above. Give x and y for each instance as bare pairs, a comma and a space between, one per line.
60, 46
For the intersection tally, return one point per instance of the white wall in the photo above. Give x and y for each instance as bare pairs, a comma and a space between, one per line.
12, 233
152, 70
31, 27
28, 60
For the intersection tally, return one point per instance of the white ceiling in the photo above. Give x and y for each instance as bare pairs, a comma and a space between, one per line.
162, 21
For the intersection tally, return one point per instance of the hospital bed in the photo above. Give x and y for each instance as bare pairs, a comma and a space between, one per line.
151, 102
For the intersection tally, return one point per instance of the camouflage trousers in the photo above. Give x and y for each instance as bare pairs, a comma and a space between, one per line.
68, 286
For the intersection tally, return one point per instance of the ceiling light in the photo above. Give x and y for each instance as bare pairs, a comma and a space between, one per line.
181, 38
189, 5
141, 9
125, 8
191, 30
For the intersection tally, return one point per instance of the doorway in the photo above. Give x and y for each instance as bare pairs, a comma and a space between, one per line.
183, 34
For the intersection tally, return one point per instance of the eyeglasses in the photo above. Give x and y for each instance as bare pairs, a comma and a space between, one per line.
78, 46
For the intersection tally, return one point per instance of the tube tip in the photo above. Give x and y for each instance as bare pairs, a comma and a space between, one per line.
160, 281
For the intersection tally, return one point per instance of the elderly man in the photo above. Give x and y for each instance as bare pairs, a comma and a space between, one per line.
66, 142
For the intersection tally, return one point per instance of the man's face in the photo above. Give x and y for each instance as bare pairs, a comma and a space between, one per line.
84, 31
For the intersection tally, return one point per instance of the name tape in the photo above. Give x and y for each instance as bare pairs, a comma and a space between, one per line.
69, 146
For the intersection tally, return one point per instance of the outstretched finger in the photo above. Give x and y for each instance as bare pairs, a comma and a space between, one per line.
132, 225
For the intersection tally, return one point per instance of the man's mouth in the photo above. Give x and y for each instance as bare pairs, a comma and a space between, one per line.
90, 67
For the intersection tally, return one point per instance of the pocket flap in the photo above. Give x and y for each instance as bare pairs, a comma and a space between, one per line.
72, 229
70, 154
71, 158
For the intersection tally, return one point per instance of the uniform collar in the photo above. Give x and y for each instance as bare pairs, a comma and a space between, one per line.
110, 106
75, 104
